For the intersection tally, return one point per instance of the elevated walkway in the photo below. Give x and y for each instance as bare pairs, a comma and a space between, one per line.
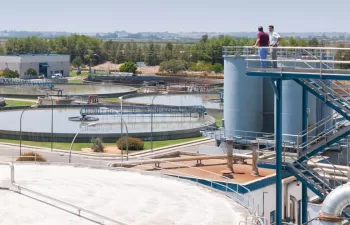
156, 109
307, 66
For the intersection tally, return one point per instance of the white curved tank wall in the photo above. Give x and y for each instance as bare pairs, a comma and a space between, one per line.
243, 98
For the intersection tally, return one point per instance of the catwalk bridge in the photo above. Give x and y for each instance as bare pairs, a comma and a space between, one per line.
16, 81
156, 109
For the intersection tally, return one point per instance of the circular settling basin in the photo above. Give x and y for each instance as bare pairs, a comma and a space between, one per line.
36, 122
66, 89
209, 101
128, 197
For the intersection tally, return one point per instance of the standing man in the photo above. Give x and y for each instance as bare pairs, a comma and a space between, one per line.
274, 40
263, 42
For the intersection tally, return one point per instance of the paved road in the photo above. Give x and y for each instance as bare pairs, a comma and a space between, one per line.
10, 153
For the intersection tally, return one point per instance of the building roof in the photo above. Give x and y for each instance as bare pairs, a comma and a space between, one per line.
28, 55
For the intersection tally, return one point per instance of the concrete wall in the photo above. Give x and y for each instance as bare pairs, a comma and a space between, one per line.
268, 204
22, 63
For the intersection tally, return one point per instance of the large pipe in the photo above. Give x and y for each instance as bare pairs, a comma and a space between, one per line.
229, 154
333, 205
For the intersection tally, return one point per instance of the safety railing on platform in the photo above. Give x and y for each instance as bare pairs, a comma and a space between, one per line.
324, 59
328, 128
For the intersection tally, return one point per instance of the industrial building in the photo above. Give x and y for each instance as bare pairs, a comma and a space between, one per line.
44, 64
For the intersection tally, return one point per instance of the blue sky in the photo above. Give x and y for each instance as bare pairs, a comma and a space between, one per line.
175, 15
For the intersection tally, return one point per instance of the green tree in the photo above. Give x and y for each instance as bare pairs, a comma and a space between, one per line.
128, 67
173, 66
10, 73
77, 62
342, 55
31, 71
314, 42
217, 68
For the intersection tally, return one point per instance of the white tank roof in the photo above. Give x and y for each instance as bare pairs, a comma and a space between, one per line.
129, 197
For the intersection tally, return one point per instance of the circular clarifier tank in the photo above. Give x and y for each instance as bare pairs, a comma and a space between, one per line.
74, 89
209, 101
128, 197
36, 125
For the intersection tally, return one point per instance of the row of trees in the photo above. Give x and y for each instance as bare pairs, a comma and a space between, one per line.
86, 50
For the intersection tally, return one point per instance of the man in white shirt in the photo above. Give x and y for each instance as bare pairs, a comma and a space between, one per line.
274, 40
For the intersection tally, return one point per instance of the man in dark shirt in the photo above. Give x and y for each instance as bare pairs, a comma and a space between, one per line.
263, 41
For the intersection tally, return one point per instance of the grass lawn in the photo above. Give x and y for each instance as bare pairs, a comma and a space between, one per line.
75, 81
74, 74
219, 122
111, 99
79, 146
10, 103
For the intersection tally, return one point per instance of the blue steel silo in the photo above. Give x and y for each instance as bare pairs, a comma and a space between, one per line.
268, 106
243, 98
292, 110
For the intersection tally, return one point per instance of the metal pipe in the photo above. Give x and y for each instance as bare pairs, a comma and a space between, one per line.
333, 205
304, 198
278, 143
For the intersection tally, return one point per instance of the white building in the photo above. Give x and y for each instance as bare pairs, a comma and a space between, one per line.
45, 64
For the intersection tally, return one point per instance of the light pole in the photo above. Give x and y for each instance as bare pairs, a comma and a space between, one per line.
70, 149
163, 93
51, 122
121, 127
20, 128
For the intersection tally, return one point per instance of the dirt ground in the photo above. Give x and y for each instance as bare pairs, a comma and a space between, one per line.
110, 150
211, 169
112, 66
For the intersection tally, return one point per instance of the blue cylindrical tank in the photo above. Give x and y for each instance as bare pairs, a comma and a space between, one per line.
242, 99
268, 106
292, 110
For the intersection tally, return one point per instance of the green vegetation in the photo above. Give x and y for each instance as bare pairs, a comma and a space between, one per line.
134, 143
11, 103
7, 73
218, 122
85, 50
31, 156
173, 66
97, 145
74, 74
31, 71
75, 81
128, 67
342, 56
79, 146
111, 99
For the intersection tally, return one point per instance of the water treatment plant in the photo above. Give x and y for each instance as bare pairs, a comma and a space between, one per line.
279, 157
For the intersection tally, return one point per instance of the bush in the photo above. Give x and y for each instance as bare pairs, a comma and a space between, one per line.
31, 156
217, 68
134, 143
128, 67
31, 71
97, 145
10, 73
173, 66
201, 66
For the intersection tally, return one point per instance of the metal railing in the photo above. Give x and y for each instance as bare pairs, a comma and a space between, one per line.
79, 210
322, 58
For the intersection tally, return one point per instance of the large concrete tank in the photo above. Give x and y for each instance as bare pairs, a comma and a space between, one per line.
292, 110
242, 99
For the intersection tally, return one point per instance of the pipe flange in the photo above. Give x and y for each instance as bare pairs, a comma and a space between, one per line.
326, 217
